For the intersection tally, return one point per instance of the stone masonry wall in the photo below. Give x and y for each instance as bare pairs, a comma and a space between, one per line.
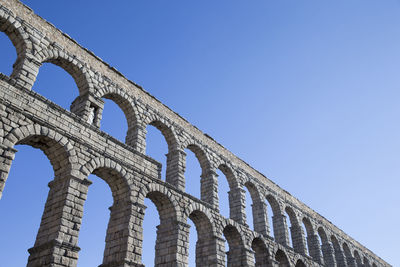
76, 148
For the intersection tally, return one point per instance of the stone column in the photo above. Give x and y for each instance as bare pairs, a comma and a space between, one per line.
314, 247
237, 206
260, 219
136, 137
248, 257
124, 235
209, 252
299, 244
25, 70
220, 248
328, 252
280, 229
7, 155
171, 244
57, 238
261, 261
209, 188
176, 165
240, 257
89, 108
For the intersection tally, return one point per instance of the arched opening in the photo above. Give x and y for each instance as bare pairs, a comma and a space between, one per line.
94, 222
281, 258
223, 194
57, 153
193, 238
270, 214
295, 236
56, 84
306, 238
314, 250
24, 197
116, 116
157, 146
278, 221
338, 251
249, 211
300, 263
193, 172
319, 243
358, 259
150, 222
8, 55
202, 246
261, 258
13, 30
166, 245
255, 209
118, 225
366, 262
326, 252
348, 255
228, 194
235, 244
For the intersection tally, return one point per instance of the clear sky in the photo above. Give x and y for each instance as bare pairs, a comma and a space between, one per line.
307, 92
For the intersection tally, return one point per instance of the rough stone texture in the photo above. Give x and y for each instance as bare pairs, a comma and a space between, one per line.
76, 148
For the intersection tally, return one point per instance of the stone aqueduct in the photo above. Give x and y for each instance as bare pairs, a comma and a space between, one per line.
76, 148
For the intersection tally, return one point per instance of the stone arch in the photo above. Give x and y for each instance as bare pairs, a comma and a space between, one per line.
119, 233
296, 231
205, 215
322, 235
339, 255
276, 208
347, 253
167, 132
314, 247
254, 191
171, 230
300, 263
230, 176
236, 195
366, 262
175, 162
160, 195
327, 249
236, 253
113, 174
166, 208
19, 38
261, 253
201, 157
278, 221
71, 64
65, 189
358, 259
126, 106
202, 222
56, 147
126, 103
259, 209
308, 225
207, 243
282, 259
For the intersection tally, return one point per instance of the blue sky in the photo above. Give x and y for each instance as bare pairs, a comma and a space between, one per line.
306, 92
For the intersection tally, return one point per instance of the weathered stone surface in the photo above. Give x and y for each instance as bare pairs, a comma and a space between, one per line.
76, 148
